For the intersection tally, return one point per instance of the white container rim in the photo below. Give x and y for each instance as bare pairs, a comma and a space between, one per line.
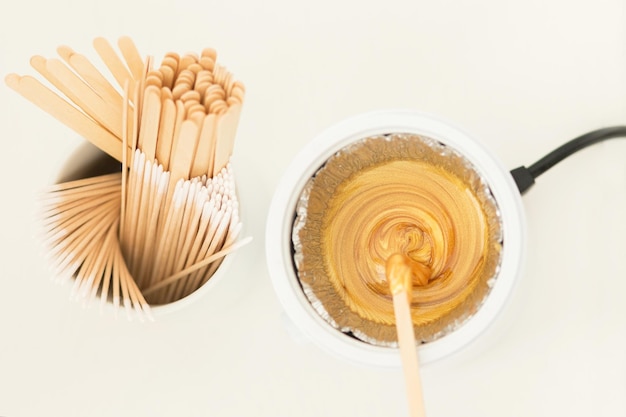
308, 161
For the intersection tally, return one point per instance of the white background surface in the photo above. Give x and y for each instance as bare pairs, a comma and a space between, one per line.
523, 77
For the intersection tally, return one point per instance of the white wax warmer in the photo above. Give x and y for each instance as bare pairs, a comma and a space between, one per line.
282, 213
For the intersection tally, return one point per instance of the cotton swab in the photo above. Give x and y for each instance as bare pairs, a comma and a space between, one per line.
400, 270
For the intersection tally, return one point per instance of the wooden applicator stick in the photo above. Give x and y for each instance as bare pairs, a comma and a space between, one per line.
400, 276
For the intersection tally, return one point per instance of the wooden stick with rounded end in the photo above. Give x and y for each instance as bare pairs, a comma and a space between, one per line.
399, 271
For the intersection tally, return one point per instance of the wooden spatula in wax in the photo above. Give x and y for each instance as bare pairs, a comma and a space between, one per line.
400, 271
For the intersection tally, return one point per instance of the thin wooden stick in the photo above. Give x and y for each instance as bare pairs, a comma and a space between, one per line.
99, 257
125, 131
150, 256
400, 274
163, 243
55, 206
82, 275
146, 208
166, 132
78, 225
124, 281
70, 252
217, 214
68, 225
171, 279
194, 251
142, 207
95, 181
217, 243
134, 199
55, 217
190, 226
107, 276
106, 255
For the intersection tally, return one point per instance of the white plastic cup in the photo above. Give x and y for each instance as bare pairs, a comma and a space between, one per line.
312, 157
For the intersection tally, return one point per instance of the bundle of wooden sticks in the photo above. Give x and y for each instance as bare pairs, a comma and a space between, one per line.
157, 230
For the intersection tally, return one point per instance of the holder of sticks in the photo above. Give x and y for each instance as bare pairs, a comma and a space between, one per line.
157, 229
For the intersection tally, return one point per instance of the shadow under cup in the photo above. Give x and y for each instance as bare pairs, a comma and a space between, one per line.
308, 276
88, 161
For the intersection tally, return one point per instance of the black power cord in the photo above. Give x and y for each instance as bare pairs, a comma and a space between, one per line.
525, 177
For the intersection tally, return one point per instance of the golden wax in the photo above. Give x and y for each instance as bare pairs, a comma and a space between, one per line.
401, 194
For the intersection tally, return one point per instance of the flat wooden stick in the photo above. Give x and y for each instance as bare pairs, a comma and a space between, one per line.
104, 113
50, 102
149, 127
39, 63
131, 55
400, 275
166, 133
178, 123
203, 158
184, 152
92, 76
226, 131
168, 74
112, 61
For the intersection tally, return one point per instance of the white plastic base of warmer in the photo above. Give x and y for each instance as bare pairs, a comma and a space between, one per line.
309, 160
